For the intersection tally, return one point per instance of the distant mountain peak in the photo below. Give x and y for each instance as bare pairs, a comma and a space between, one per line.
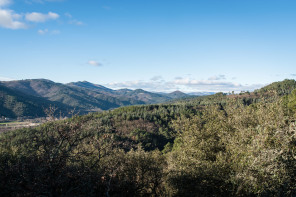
124, 89
83, 95
140, 90
39, 79
177, 92
89, 85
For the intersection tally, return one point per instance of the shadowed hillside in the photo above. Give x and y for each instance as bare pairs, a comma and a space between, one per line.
15, 104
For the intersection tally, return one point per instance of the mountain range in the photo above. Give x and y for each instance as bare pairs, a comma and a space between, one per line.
29, 98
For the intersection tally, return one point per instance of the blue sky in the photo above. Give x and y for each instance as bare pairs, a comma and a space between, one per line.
157, 45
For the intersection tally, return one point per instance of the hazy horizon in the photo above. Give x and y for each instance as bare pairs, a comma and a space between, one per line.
143, 88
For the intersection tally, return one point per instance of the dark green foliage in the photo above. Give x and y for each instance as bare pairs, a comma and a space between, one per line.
281, 88
219, 145
177, 95
70, 159
291, 103
218, 98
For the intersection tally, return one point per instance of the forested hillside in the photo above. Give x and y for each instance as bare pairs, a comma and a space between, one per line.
281, 88
84, 97
219, 145
15, 104
73, 96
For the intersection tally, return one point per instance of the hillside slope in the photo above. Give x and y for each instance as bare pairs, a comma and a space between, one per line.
15, 104
80, 98
280, 87
132, 96
83, 96
218, 145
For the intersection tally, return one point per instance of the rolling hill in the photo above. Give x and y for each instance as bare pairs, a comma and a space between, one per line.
83, 96
133, 95
15, 104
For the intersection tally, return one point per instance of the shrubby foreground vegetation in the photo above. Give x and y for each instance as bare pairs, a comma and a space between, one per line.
220, 145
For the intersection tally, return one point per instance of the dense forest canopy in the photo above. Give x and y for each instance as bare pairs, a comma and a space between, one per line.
219, 145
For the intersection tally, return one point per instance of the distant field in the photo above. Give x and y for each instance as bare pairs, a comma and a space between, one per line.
15, 122
7, 126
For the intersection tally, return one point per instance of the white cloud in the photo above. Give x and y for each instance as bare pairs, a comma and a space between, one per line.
219, 77
156, 78
11, 20
214, 85
5, 2
194, 82
94, 63
152, 86
185, 85
39, 17
8, 18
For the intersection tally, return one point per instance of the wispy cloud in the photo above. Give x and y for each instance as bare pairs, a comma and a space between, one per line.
73, 21
55, 32
46, 31
140, 84
214, 85
194, 82
156, 78
39, 17
94, 63
186, 85
42, 31
106, 7
42, 1
68, 15
76, 22
5, 2
176, 78
216, 78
